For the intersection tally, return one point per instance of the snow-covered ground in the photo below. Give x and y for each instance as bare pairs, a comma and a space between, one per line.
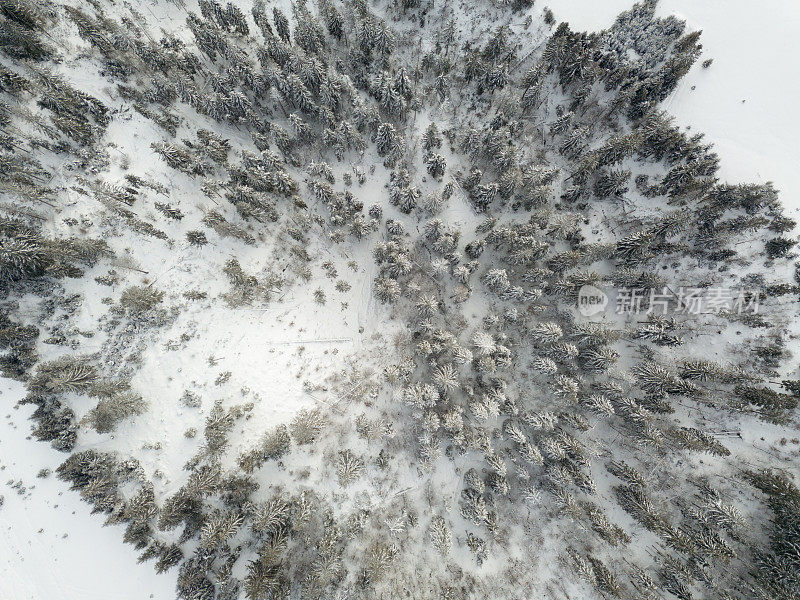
51, 546
745, 102
756, 140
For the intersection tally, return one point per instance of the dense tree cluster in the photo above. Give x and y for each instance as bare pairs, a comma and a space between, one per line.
321, 124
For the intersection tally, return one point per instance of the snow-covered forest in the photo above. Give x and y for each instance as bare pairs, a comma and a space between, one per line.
333, 299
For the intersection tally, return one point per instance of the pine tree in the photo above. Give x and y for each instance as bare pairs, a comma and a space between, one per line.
281, 24
436, 165
260, 18
431, 138
388, 142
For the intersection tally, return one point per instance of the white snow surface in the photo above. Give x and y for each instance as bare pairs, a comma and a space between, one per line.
745, 102
756, 140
